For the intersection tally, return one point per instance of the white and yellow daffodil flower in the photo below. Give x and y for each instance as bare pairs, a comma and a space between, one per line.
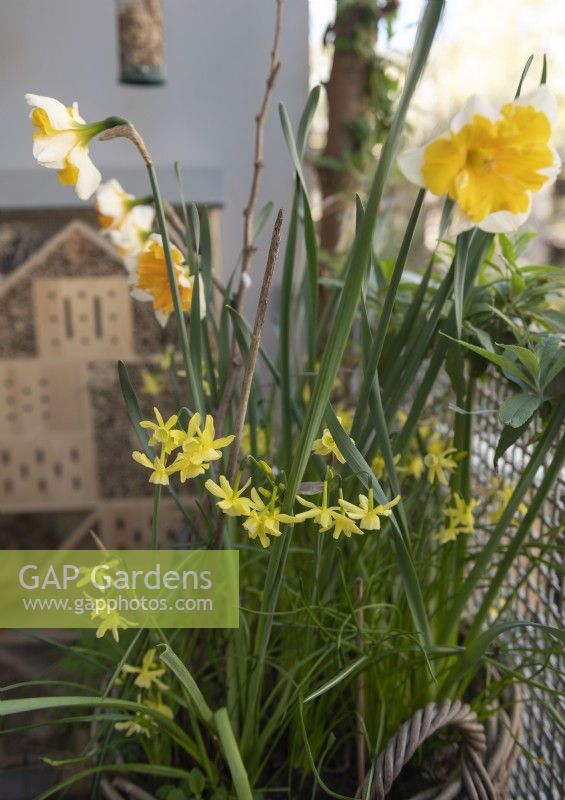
127, 220
490, 162
112, 204
150, 280
60, 141
132, 234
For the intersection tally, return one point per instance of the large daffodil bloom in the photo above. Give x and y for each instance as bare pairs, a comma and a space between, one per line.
60, 141
150, 281
490, 162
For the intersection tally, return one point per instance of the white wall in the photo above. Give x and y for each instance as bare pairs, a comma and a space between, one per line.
217, 55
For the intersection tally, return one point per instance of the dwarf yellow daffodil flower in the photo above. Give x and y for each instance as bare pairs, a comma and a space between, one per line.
232, 502
202, 445
148, 673
159, 470
264, 519
163, 433
462, 515
491, 161
140, 724
367, 514
111, 621
326, 445
438, 463
321, 515
341, 523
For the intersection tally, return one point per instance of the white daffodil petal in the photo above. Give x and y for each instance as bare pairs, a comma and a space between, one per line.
53, 150
410, 164
142, 217
162, 318
459, 223
75, 115
542, 100
553, 171
58, 114
139, 294
88, 176
130, 263
110, 198
475, 105
504, 221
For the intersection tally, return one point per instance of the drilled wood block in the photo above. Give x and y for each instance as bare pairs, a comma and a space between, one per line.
37, 395
48, 471
83, 317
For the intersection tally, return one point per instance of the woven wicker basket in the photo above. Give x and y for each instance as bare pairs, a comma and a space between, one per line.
487, 754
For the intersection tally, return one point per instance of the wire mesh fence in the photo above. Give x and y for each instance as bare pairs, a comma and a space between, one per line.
534, 591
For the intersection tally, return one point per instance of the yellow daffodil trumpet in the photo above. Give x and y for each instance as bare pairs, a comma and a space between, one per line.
150, 280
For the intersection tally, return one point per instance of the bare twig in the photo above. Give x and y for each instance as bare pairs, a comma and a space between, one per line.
108, 791
254, 345
248, 217
132, 790
260, 120
360, 690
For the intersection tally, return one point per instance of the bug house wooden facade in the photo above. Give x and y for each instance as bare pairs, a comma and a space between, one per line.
66, 318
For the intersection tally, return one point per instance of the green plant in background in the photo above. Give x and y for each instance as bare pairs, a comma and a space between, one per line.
355, 503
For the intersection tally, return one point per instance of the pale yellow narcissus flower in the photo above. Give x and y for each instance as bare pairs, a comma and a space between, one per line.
439, 460
187, 468
232, 502
264, 519
341, 523
163, 433
447, 534
140, 724
460, 519
111, 621
462, 514
321, 515
491, 161
367, 514
202, 445
261, 440
159, 706
150, 281
150, 672
414, 466
326, 445
151, 384
159, 470
378, 467
60, 141
87, 574
501, 498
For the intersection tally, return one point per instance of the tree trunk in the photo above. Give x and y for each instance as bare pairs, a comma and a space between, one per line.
349, 95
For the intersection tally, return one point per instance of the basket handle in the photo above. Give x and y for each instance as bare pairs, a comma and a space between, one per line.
421, 726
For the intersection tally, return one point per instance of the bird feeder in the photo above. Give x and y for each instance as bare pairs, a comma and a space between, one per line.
141, 42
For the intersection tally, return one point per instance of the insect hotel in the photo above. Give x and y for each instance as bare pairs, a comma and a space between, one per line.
66, 318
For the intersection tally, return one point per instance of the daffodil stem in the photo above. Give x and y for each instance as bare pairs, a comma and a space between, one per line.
155, 518
195, 394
